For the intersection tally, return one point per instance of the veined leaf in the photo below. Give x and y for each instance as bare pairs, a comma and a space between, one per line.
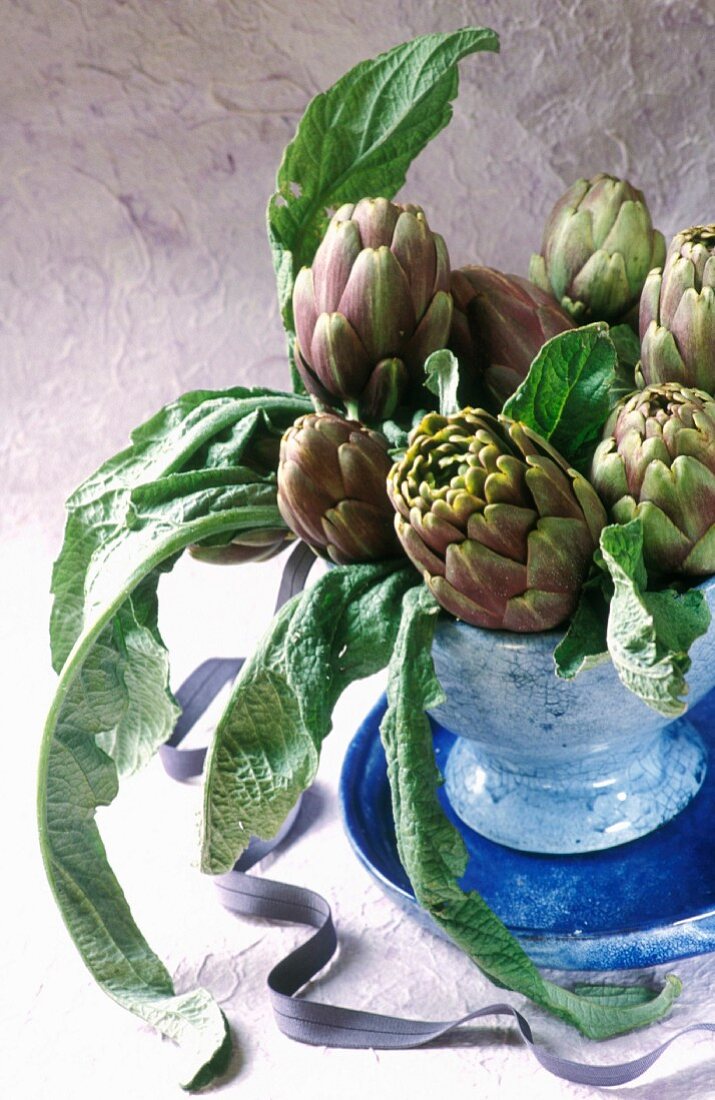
112, 707
649, 633
434, 856
266, 747
203, 428
567, 395
116, 694
359, 138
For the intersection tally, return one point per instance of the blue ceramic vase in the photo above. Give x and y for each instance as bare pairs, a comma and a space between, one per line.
555, 766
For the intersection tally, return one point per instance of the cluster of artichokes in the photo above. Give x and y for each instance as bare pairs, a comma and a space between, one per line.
502, 530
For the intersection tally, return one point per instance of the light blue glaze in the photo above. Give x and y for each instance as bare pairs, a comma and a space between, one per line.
549, 765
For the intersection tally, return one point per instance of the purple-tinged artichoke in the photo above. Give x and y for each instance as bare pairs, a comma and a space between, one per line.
502, 530
657, 462
372, 307
599, 245
499, 324
331, 489
677, 313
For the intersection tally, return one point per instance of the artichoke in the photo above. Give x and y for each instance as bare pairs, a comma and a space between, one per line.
499, 324
372, 307
500, 527
599, 245
677, 313
657, 461
331, 489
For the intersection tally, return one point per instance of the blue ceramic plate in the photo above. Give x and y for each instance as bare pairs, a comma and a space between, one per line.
643, 903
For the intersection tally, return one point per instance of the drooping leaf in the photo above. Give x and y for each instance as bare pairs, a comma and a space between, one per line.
205, 428
112, 707
567, 395
434, 857
114, 697
649, 633
266, 746
359, 138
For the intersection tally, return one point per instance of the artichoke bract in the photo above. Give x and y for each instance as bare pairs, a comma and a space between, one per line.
499, 324
331, 489
599, 245
502, 530
657, 461
677, 313
373, 306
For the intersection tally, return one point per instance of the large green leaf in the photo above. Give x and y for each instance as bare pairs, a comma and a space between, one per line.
116, 694
434, 857
568, 393
266, 747
359, 138
112, 706
649, 633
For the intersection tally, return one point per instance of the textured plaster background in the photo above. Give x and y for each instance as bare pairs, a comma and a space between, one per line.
138, 146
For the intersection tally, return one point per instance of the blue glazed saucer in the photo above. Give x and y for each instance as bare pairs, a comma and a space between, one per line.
643, 903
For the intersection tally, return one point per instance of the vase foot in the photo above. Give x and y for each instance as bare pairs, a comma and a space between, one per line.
596, 803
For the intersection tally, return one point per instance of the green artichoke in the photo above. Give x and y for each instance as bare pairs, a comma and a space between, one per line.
500, 527
677, 313
372, 307
331, 489
499, 324
599, 245
657, 461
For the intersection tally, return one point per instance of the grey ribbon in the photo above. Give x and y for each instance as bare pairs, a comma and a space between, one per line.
311, 1021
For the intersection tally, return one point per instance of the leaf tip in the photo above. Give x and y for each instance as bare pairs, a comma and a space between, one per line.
215, 1067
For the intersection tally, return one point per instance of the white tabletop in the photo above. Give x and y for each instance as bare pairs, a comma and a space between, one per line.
65, 1039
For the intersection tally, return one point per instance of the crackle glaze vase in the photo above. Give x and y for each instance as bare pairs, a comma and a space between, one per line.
548, 765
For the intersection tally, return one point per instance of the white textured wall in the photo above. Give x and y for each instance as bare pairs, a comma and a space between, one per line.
138, 144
